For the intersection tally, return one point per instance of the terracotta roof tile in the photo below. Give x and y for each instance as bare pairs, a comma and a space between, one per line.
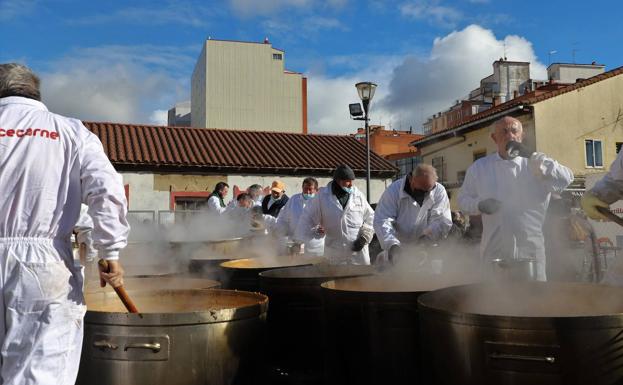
184, 149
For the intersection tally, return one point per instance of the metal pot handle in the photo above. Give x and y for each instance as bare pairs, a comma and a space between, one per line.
104, 344
501, 356
154, 347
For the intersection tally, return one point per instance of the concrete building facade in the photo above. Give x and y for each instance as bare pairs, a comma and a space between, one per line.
244, 85
179, 115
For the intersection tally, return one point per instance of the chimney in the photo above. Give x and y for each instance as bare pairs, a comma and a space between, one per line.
515, 93
496, 101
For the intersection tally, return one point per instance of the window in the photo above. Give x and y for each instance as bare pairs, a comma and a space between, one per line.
277, 56
440, 167
460, 176
190, 203
593, 153
619, 144
479, 154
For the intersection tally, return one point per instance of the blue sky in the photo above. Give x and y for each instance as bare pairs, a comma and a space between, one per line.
129, 61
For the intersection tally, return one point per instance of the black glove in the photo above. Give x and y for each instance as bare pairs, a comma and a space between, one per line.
515, 149
393, 254
359, 243
489, 206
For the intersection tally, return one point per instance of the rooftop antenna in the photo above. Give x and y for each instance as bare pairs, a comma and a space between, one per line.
504, 49
573, 51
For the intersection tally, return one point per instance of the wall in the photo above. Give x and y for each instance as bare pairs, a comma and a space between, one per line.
198, 87
570, 73
143, 194
247, 89
591, 112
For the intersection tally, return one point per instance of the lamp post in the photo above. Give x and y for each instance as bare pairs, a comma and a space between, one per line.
366, 93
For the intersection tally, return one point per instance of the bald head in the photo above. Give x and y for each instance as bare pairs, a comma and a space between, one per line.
505, 130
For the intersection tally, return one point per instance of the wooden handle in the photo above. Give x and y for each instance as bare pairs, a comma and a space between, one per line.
121, 293
610, 215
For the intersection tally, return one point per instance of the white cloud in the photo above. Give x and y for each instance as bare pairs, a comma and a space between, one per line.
11, 9
432, 12
159, 117
304, 27
250, 8
456, 64
329, 97
412, 88
171, 12
117, 83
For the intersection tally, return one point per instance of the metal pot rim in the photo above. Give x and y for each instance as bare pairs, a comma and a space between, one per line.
515, 322
182, 318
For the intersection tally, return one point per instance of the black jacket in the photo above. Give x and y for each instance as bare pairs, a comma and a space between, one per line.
276, 207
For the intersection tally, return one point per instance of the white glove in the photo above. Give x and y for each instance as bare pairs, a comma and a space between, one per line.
536, 164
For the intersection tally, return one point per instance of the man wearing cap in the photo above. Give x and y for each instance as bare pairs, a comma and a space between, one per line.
342, 214
273, 203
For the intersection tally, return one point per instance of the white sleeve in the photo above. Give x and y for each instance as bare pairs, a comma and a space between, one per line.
310, 218
440, 221
468, 195
214, 205
385, 220
83, 230
103, 192
282, 224
555, 176
367, 228
610, 187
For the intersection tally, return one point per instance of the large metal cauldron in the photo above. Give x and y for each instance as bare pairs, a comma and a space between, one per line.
295, 316
157, 283
185, 337
524, 333
242, 274
372, 328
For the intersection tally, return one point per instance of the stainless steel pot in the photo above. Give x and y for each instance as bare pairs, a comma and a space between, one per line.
523, 333
183, 337
223, 247
524, 269
372, 330
295, 317
242, 274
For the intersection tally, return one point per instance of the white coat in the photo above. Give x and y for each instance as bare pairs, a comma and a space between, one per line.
288, 220
214, 205
610, 188
342, 226
523, 186
399, 218
49, 165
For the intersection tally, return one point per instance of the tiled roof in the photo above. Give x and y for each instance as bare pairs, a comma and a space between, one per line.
183, 149
527, 99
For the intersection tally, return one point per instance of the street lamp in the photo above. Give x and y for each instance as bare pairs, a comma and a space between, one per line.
366, 93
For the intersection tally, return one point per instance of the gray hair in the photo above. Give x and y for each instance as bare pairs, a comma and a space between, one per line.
422, 169
255, 190
18, 80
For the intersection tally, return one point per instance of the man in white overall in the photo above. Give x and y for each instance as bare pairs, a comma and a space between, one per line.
49, 164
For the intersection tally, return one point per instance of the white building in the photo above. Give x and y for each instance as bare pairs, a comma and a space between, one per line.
179, 115
244, 85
